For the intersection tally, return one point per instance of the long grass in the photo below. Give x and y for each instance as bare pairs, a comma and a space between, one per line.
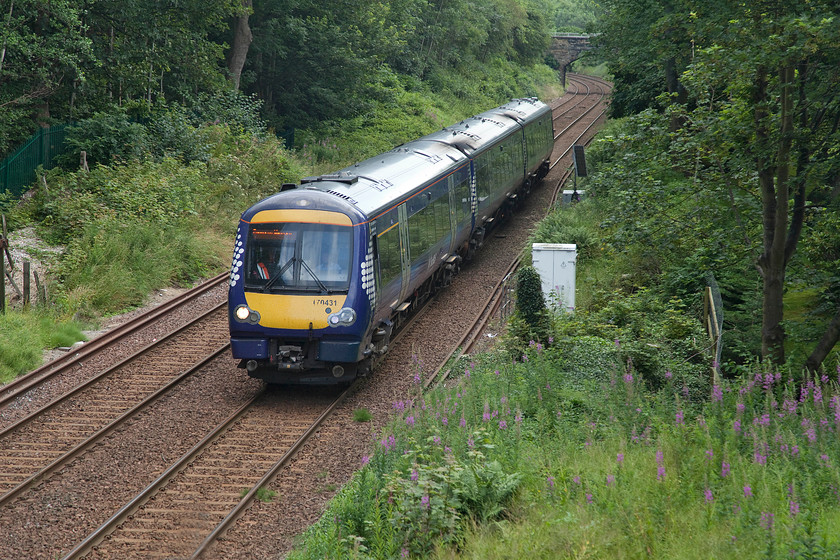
25, 335
603, 468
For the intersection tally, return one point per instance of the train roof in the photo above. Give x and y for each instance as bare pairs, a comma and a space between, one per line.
376, 184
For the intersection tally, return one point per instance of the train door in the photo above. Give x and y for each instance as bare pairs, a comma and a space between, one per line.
405, 256
453, 216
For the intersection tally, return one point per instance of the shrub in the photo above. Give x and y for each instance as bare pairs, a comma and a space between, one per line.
530, 302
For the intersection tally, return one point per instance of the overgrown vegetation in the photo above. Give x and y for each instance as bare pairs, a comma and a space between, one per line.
572, 448
607, 438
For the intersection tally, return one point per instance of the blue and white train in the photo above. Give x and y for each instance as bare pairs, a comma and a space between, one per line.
324, 272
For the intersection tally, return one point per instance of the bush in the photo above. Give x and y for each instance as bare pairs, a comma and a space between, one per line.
530, 302
113, 264
105, 137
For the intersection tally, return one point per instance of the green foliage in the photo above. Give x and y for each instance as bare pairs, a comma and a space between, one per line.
530, 302
484, 488
566, 225
106, 137
23, 337
575, 16
574, 435
44, 47
112, 264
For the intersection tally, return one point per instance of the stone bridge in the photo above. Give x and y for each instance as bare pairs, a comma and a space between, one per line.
566, 48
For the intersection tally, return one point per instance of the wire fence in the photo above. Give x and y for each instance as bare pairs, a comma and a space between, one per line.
17, 172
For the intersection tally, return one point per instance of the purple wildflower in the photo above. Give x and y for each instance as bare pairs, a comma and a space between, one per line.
365, 460
502, 425
660, 462
767, 520
619, 458
610, 479
424, 501
679, 418
724, 469
409, 421
708, 494
748, 493
415, 475
794, 509
717, 394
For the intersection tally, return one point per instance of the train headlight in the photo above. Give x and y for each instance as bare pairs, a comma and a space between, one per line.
243, 314
343, 318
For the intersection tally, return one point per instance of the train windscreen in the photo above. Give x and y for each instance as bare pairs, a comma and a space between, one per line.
298, 257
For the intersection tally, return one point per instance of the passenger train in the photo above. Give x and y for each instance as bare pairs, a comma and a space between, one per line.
324, 272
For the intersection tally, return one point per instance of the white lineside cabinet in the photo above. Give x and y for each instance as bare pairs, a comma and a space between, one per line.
556, 264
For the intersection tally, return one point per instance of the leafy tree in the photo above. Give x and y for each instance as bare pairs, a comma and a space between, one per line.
42, 48
647, 44
575, 15
768, 96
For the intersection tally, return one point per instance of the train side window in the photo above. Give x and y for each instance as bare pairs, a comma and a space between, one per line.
388, 244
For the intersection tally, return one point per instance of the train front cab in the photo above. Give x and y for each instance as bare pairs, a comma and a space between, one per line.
298, 311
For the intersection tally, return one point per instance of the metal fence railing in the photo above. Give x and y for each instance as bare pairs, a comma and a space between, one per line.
17, 172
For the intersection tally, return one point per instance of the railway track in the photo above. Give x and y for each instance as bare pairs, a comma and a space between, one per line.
50, 437
210, 474
26, 387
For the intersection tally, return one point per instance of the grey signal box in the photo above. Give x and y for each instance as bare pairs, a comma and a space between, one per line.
556, 264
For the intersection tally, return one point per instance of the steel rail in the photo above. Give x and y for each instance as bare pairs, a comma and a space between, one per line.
83, 446
20, 385
92, 540
577, 101
76, 390
249, 498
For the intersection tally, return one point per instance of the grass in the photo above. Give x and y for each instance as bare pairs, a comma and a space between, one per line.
608, 470
362, 415
25, 335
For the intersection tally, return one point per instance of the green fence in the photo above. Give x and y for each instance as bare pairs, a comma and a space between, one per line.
17, 172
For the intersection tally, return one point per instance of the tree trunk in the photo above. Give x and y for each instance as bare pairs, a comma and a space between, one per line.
824, 346
242, 38
775, 189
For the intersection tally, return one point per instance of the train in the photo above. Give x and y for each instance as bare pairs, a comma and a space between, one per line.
324, 273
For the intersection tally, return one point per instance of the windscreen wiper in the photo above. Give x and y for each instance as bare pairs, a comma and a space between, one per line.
312, 274
276, 277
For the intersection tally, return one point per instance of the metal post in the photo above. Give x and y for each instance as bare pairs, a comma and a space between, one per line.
2, 280
26, 284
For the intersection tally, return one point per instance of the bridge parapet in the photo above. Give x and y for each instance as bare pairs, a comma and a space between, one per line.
566, 48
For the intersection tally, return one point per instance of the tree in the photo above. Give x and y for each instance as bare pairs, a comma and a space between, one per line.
647, 44
242, 38
42, 48
767, 87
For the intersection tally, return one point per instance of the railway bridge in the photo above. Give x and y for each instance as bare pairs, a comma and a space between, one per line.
566, 48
